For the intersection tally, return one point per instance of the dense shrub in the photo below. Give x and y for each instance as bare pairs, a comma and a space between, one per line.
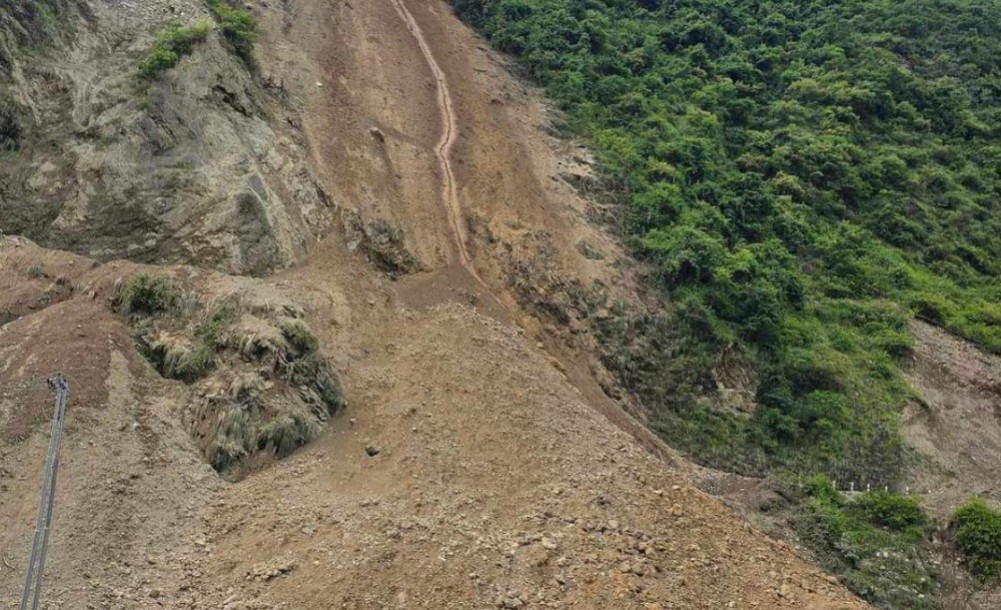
876, 543
978, 535
891, 510
804, 180
238, 26
171, 45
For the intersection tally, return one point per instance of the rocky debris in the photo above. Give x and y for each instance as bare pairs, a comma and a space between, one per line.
270, 570
383, 243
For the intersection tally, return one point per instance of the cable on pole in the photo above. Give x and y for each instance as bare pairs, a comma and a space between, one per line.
43, 524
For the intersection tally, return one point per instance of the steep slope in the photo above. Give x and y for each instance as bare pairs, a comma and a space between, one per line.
471, 468
198, 166
495, 483
803, 179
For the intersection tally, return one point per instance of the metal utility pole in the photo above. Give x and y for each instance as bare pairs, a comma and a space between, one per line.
40, 542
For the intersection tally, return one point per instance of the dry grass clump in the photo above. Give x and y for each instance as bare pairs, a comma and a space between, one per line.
250, 420
261, 388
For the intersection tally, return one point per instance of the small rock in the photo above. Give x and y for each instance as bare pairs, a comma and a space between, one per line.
372, 450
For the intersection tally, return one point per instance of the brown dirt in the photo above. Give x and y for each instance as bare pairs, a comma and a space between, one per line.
956, 428
956, 432
504, 476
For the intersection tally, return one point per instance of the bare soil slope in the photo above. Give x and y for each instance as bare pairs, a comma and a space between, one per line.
957, 428
495, 483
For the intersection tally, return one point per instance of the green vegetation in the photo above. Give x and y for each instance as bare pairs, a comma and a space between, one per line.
300, 338
308, 369
152, 302
238, 26
803, 178
250, 423
146, 295
36, 271
36, 20
188, 364
285, 434
978, 535
241, 434
171, 45
874, 543
10, 127
211, 331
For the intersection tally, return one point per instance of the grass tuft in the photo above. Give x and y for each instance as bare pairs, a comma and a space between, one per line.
300, 338
147, 295
171, 45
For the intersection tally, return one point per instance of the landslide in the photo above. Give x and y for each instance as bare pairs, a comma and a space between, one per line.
479, 461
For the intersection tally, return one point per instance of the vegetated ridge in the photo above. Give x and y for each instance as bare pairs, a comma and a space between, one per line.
803, 179
811, 185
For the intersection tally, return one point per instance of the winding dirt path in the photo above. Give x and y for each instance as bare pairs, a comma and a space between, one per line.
449, 133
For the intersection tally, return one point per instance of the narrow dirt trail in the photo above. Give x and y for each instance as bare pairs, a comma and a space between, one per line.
449, 133
450, 198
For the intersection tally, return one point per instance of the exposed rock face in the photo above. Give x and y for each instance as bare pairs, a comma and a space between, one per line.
196, 166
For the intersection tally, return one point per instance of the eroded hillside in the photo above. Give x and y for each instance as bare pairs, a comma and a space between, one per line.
372, 196
203, 164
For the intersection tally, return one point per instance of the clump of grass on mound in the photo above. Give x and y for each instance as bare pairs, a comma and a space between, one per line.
978, 535
173, 43
299, 337
285, 434
153, 303
211, 330
874, 542
306, 368
253, 422
175, 358
264, 388
146, 295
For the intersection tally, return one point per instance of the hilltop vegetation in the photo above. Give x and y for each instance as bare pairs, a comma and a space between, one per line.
804, 178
